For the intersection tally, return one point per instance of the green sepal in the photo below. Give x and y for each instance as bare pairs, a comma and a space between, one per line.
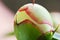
47, 36
54, 39
26, 31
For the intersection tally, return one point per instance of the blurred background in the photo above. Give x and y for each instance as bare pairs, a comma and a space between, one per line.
8, 9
